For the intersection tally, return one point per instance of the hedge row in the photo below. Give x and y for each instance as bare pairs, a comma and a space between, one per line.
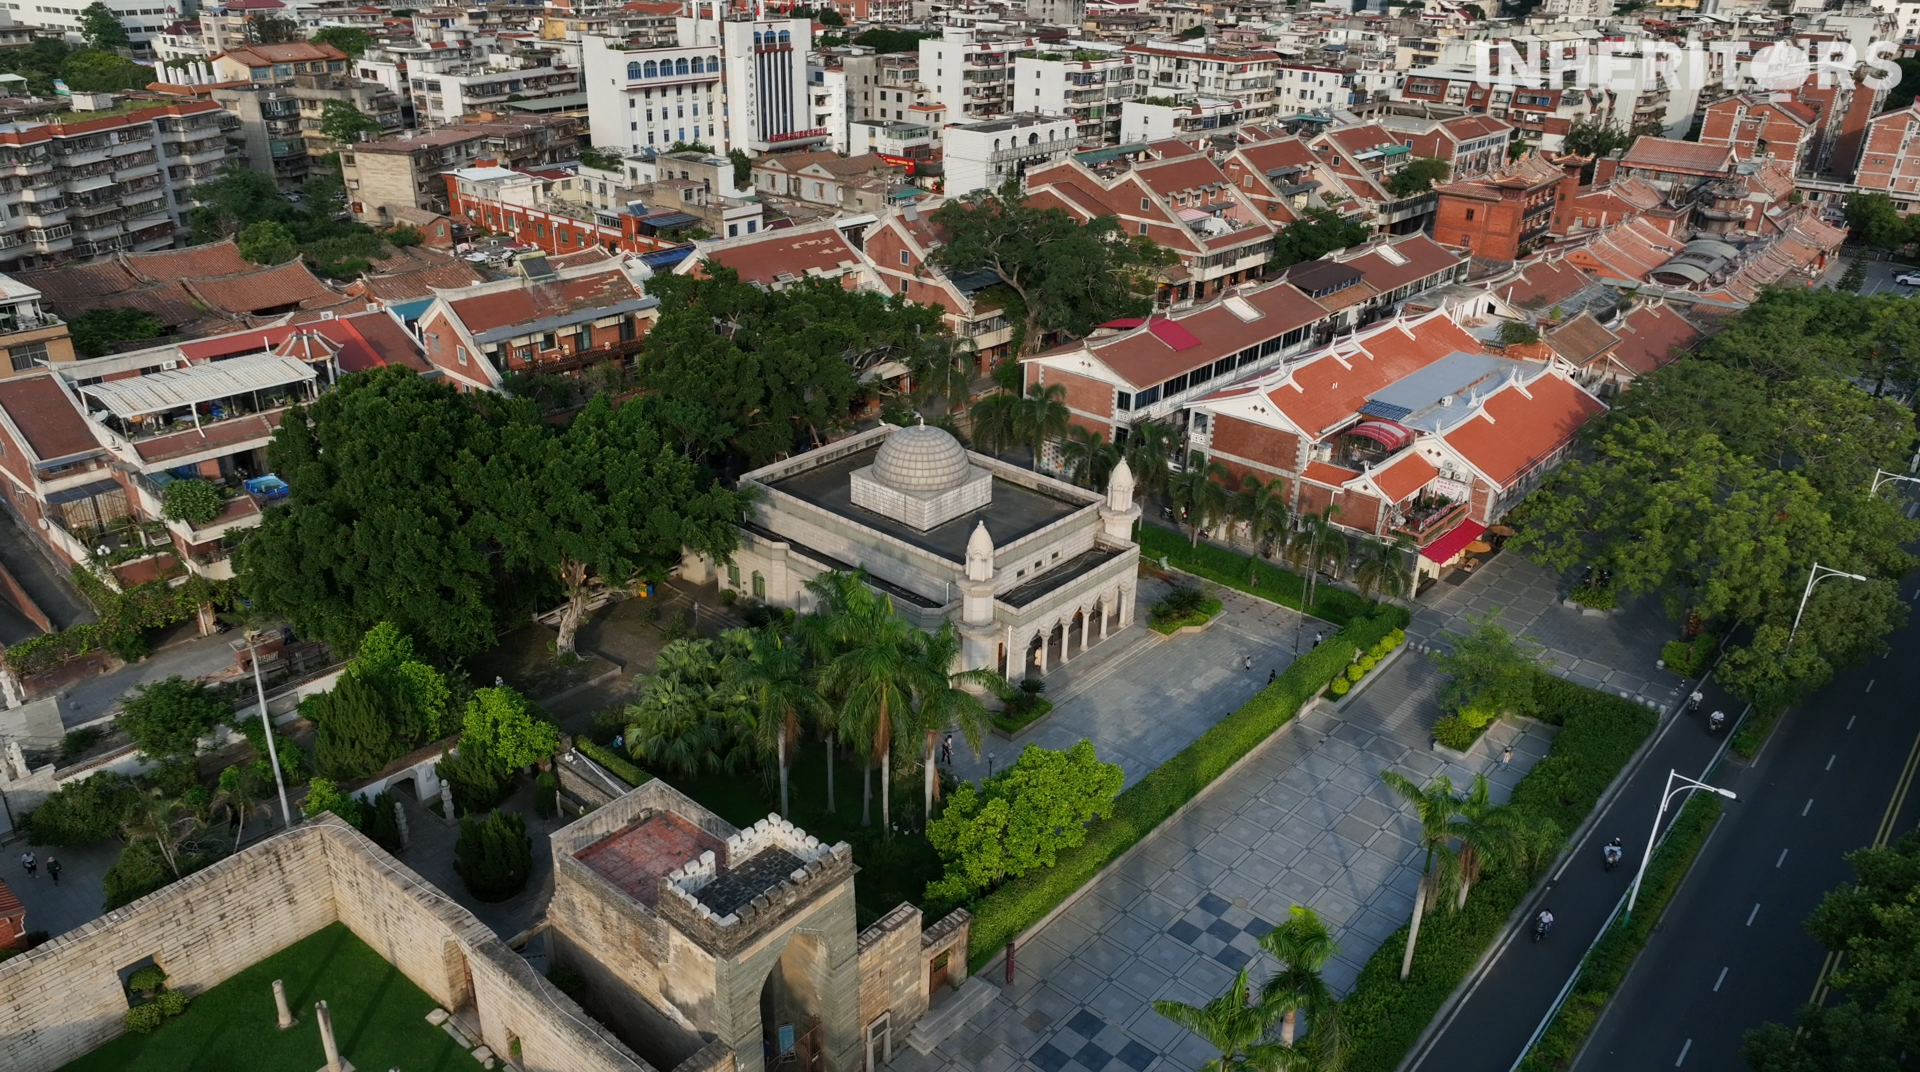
1231, 568
1011, 909
1606, 966
1384, 1016
617, 766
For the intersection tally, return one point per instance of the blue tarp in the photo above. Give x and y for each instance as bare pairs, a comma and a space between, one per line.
665, 258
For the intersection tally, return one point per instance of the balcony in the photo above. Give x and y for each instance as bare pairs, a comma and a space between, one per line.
79, 155
1428, 517
38, 164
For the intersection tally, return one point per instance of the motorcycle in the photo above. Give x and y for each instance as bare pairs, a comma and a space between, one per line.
1693, 703
1612, 854
1716, 722
1541, 925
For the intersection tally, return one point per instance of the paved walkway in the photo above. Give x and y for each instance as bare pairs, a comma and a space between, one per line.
1306, 820
1615, 652
1142, 697
430, 853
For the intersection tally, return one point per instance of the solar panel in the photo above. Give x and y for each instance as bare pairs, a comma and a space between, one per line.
1384, 410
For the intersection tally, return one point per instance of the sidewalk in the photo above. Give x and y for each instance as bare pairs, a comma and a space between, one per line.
1306, 820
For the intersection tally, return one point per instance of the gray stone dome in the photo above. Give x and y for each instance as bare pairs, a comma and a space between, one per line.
921, 458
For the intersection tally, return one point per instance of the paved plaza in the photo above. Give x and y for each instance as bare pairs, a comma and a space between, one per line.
1142, 697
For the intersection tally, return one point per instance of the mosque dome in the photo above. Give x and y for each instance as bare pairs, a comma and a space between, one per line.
921, 458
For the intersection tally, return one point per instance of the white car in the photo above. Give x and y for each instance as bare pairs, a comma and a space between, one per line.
1908, 279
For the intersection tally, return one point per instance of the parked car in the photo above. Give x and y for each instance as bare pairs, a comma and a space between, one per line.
1908, 279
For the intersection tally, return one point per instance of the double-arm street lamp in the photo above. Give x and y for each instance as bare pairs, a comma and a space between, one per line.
1665, 800
1820, 573
1881, 476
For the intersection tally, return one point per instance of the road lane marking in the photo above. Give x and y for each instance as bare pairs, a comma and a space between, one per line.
1830, 760
1755, 912
1850, 719
1808, 808
1683, 1053
1722, 979
1782, 859
1870, 682
1894, 803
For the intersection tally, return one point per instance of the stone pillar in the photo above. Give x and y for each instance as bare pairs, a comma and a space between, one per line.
977, 628
1106, 619
321, 1014
1118, 513
446, 801
1086, 622
280, 1004
400, 820
1126, 605
1046, 638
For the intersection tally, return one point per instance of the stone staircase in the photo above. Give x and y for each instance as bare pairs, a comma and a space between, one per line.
947, 1016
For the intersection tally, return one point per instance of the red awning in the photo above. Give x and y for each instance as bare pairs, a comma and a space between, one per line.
1385, 433
1442, 550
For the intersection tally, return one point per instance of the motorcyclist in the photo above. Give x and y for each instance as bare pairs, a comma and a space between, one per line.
1693, 702
1542, 923
1716, 720
1613, 851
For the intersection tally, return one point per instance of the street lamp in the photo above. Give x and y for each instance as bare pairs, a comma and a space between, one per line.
1671, 792
1881, 476
1820, 573
273, 752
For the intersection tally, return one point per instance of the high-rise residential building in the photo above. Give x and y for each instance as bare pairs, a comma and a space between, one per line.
729, 85
970, 72
1084, 85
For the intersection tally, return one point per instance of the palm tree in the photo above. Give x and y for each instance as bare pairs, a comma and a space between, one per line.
1497, 835
1316, 528
995, 422
1303, 946
941, 368
1149, 446
1044, 416
842, 601
241, 794
772, 671
1385, 568
1087, 457
1264, 509
945, 703
876, 677
1229, 1023
1437, 807
1202, 492
162, 820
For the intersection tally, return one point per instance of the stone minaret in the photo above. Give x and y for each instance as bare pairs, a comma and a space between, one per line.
1119, 514
976, 602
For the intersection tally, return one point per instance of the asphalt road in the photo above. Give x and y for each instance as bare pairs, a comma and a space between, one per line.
1488, 1030
1731, 952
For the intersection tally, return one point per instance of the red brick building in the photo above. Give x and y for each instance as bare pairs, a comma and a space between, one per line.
1506, 215
1890, 157
548, 322
1755, 126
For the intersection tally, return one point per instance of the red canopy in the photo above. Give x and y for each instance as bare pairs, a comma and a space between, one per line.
1385, 433
1443, 550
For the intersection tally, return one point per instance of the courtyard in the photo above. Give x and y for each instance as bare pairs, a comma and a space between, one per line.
379, 1019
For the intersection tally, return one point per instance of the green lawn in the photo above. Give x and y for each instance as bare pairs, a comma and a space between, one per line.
379, 1018
892, 870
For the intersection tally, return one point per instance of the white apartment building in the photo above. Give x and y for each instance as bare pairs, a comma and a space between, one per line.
981, 156
144, 19
767, 104
828, 88
1204, 68
444, 90
1307, 88
970, 72
1153, 120
1087, 87
913, 141
649, 99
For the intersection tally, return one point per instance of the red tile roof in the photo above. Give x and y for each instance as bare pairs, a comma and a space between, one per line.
792, 253
1332, 476
1517, 428
1328, 388
46, 416
1406, 475
1544, 283
1652, 336
366, 340
1581, 339
210, 437
1418, 257
1145, 357
264, 289
1663, 154
538, 301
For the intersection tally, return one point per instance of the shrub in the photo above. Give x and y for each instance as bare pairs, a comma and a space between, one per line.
494, 856
324, 795
1368, 662
477, 780
82, 812
195, 502
1341, 686
140, 870
615, 765
1355, 673
379, 822
1180, 602
145, 1019
1689, 658
1489, 667
357, 731
1596, 597
1020, 819
148, 981
76, 742
172, 1002
546, 793
1004, 913
167, 719
1455, 733
514, 732
1232, 569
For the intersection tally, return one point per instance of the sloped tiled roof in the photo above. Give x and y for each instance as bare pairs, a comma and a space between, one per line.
1664, 154
46, 416
1581, 339
1404, 476
1651, 336
1144, 356
1518, 427
539, 301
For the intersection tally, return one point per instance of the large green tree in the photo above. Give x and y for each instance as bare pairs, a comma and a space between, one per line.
341, 122
98, 71
167, 719
378, 528
1417, 176
1068, 276
102, 28
1317, 233
350, 40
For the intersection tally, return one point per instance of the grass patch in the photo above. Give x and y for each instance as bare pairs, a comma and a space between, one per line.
378, 1016
1171, 624
1606, 966
1384, 1016
1753, 733
1016, 718
1001, 915
1256, 577
616, 764
892, 870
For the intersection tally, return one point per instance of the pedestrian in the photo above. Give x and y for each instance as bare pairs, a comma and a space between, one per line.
1271, 674
946, 750
27, 861
1318, 637
53, 870
1249, 663
1506, 756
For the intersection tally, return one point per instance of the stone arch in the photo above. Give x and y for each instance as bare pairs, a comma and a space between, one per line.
793, 1003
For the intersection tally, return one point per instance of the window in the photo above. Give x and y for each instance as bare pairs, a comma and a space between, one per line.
28, 356
1143, 227
460, 352
1145, 204
548, 341
905, 258
733, 575
1469, 215
759, 585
